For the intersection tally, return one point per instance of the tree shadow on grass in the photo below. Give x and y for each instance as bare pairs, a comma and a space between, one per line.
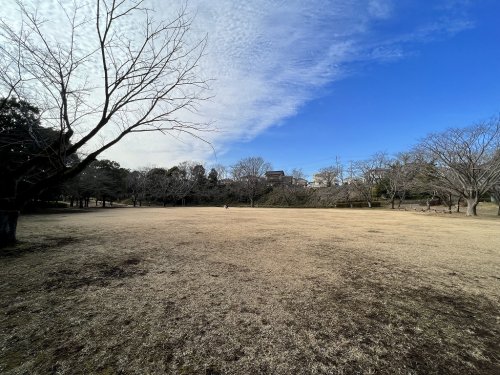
26, 247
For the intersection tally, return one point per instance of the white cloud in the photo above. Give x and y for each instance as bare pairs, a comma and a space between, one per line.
379, 9
267, 59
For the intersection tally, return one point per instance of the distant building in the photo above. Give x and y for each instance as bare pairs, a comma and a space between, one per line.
275, 178
300, 182
251, 178
353, 180
321, 181
318, 181
278, 178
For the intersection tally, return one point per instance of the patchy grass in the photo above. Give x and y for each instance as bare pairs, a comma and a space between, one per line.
261, 291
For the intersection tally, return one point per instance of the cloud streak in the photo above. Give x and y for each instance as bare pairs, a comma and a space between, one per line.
267, 58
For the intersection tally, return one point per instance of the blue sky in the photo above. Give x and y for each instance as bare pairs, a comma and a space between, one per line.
439, 82
301, 82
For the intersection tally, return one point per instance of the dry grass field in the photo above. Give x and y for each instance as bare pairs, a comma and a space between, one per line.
251, 291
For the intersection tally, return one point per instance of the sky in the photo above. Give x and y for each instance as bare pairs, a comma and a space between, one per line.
301, 83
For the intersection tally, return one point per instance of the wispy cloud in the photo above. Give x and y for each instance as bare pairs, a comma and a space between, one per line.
267, 58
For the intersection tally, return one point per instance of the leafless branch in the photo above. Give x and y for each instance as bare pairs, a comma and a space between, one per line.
143, 83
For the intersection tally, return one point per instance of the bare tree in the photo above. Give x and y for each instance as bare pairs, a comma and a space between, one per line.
346, 177
249, 174
181, 181
368, 173
426, 182
465, 162
98, 82
329, 175
298, 174
400, 176
137, 185
222, 171
159, 184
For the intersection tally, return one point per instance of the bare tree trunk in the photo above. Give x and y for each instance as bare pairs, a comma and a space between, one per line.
348, 196
9, 212
252, 204
496, 197
402, 198
450, 203
8, 226
369, 204
471, 207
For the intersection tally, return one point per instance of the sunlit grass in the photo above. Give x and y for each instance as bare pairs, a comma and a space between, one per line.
248, 291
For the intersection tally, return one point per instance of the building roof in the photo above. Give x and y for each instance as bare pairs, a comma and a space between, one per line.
278, 173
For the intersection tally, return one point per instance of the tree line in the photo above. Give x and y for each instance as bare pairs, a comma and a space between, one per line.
454, 168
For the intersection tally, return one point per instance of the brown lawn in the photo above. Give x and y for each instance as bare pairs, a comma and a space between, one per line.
251, 291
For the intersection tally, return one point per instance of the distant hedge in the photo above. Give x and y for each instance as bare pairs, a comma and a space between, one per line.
357, 204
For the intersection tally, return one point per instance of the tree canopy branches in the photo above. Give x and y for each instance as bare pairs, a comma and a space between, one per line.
464, 162
95, 80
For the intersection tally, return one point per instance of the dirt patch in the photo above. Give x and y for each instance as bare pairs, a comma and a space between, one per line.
92, 274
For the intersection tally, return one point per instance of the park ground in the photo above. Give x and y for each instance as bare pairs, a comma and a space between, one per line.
251, 291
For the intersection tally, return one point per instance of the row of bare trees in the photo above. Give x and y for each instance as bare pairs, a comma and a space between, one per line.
457, 165
185, 183
369, 179
453, 167
172, 186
